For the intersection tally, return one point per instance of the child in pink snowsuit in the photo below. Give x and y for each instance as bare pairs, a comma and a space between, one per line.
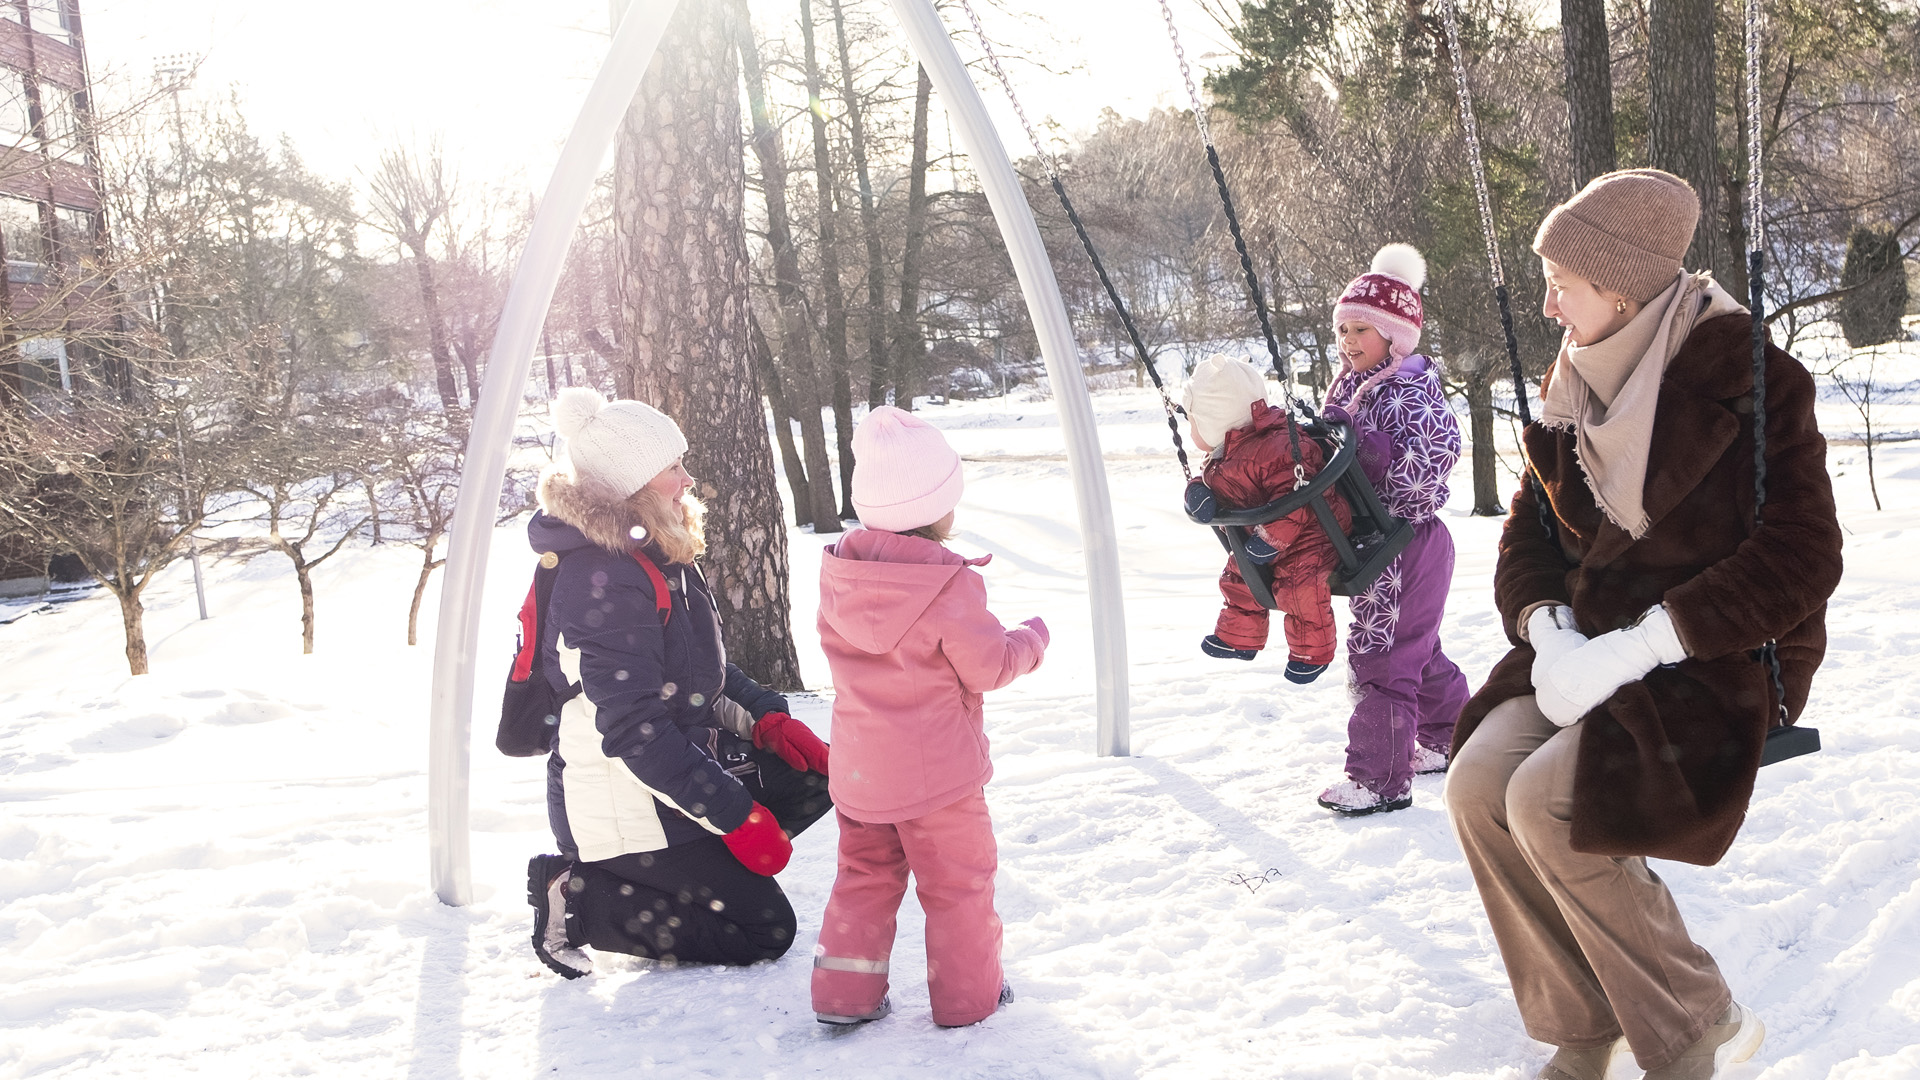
912, 646
1407, 693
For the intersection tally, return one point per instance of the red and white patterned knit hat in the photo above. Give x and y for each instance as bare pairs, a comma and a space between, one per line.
1387, 298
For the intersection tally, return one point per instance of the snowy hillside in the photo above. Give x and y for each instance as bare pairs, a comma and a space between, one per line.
220, 869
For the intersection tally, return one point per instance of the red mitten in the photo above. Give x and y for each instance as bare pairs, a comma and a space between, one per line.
794, 741
759, 843
1039, 626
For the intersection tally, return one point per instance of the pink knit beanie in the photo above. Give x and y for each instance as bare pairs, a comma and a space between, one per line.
1387, 298
904, 473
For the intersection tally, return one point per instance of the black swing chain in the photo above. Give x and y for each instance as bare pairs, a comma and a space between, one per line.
1476, 162
1756, 303
1254, 293
1080, 229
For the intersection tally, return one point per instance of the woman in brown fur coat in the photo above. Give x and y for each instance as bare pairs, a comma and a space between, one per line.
1628, 720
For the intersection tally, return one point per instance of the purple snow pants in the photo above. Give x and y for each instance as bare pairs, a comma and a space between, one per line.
1404, 687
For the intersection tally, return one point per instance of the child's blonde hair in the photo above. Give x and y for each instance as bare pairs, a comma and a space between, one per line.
939, 532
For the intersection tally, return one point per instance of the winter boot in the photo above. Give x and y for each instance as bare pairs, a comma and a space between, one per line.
1735, 1038
1213, 646
547, 878
1352, 798
1586, 1063
879, 1012
1427, 762
1301, 672
1006, 999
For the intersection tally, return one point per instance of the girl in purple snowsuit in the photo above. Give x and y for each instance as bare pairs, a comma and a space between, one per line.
1407, 694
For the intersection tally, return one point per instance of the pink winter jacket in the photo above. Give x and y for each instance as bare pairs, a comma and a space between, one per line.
906, 630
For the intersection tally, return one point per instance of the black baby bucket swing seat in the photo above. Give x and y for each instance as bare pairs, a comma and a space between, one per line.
1376, 535
1787, 739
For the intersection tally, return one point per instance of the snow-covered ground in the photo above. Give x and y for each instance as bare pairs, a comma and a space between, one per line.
220, 869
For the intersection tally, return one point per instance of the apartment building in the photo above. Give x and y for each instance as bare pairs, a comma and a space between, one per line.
51, 226
50, 197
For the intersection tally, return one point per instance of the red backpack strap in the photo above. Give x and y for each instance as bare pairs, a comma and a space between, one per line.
529, 635
661, 600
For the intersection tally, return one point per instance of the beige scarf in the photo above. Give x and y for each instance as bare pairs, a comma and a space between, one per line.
1606, 393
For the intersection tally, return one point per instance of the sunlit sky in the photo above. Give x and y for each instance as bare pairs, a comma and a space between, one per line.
499, 82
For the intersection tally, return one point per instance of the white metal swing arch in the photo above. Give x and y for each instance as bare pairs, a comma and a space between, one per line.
634, 43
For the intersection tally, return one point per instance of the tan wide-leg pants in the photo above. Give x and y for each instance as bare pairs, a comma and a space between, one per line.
1593, 945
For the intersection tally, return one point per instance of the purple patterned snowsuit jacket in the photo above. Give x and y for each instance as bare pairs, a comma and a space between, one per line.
1405, 689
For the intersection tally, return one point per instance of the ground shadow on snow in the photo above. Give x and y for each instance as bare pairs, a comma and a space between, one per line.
439, 998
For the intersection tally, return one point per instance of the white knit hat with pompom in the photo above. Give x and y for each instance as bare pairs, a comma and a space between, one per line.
618, 444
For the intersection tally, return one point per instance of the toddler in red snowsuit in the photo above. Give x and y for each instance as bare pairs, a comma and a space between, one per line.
1250, 461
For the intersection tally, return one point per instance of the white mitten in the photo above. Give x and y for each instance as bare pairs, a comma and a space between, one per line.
1591, 673
1551, 630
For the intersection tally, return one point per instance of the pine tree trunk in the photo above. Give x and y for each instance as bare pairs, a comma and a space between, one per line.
1681, 134
814, 502
909, 347
679, 193
869, 221
1486, 456
132, 613
835, 296
1589, 65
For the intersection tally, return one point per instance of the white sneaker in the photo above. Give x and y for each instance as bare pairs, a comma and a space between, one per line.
1354, 798
1427, 762
1734, 1039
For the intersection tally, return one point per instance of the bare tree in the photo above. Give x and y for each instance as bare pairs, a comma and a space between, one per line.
827, 191
116, 485
813, 498
409, 195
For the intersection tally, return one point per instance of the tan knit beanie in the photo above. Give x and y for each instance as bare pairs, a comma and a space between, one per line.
1625, 231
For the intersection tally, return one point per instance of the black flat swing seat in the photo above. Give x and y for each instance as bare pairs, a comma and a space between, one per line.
1789, 741
1376, 537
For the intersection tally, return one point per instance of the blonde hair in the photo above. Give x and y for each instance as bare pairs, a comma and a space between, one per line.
680, 530
934, 531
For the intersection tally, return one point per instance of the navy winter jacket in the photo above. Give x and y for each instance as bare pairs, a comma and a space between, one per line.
641, 761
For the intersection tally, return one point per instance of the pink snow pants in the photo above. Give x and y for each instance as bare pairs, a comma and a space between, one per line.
952, 856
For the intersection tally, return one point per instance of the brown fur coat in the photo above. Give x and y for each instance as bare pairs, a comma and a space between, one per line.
601, 516
1667, 764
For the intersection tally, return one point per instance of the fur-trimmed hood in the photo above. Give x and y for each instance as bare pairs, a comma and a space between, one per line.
602, 518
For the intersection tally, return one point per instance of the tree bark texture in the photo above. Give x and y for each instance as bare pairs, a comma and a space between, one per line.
302, 571
428, 564
131, 612
679, 193
834, 295
908, 344
869, 220
813, 498
1589, 65
1681, 134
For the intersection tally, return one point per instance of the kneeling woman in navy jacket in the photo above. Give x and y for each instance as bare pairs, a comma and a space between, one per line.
676, 780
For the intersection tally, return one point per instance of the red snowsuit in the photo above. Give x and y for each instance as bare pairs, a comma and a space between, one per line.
1254, 466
